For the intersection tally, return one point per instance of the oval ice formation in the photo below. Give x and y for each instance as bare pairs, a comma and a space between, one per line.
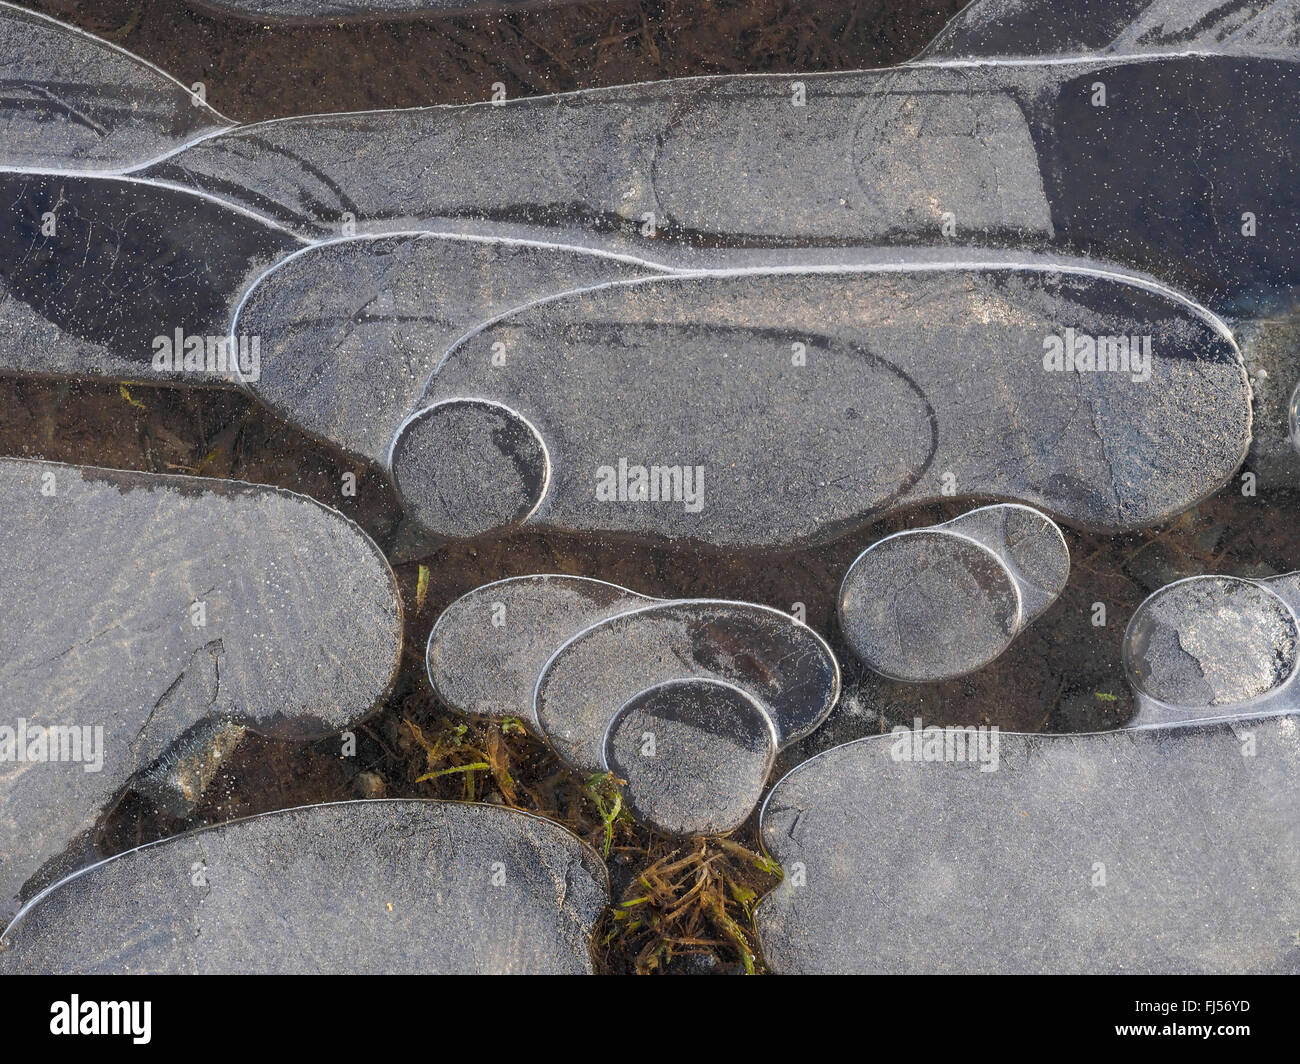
470, 449
1214, 648
70, 101
220, 601
928, 605
488, 648
934, 603
1001, 153
1028, 543
351, 330
138, 281
780, 662
772, 408
1109, 852
692, 755
355, 887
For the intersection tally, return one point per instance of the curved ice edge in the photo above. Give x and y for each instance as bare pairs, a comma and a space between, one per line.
879, 261
832, 697
531, 578
925, 58
210, 484
29, 14
597, 861
1188, 725
1152, 712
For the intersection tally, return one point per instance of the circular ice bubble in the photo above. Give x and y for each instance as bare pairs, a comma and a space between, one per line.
1210, 641
694, 755
465, 467
928, 605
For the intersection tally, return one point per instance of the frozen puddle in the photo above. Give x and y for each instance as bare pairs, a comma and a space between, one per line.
999, 135
350, 331
1166, 850
110, 277
122, 279
1009, 148
882, 386
221, 606
1142, 395
693, 755
356, 887
993, 28
1214, 648
933, 603
142, 272
488, 648
783, 664
685, 701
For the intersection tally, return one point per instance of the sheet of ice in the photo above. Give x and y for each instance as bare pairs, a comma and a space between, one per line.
118, 278
351, 330
934, 603
984, 153
142, 610
692, 755
992, 29
1160, 851
355, 887
775, 408
70, 101
1215, 648
488, 648
782, 663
